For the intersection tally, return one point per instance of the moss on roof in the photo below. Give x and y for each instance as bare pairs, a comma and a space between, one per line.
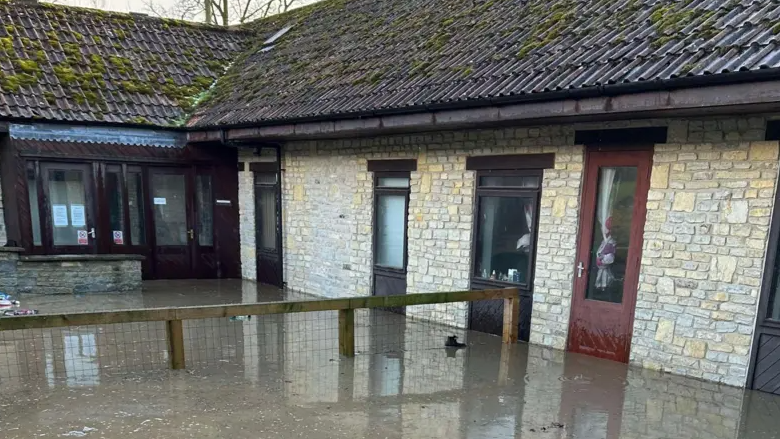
86, 64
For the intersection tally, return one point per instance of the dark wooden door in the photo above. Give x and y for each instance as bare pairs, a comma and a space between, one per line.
68, 201
268, 228
764, 372
204, 242
391, 206
609, 252
172, 222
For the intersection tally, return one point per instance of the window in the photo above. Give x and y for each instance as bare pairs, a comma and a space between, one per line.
35, 214
506, 223
391, 207
265, 210
116, 205
135, 197
205, 210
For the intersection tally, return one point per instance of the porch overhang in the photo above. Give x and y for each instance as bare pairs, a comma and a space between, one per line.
742, 98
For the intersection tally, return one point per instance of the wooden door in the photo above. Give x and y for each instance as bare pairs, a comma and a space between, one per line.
204, 243
268, 228
172, 222
391, 206
609, 252
68, 200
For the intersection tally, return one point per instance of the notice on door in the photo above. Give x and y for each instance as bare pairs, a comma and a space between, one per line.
119, 238
82, 237
77, 217
159, 200
60, 214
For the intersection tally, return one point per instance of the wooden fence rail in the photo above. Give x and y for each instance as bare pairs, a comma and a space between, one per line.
346, 306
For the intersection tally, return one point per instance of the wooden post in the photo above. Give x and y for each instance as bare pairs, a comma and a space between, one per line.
347, 332
511, 319
176, 344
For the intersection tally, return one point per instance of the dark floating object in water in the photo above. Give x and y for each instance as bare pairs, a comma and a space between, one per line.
452, 342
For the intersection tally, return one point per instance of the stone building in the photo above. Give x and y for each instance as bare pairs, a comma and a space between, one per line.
615, 161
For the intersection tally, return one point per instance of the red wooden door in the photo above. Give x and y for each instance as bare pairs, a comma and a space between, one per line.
609, 252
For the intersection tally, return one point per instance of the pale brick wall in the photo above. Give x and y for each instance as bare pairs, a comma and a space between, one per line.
708, 217
556, 248
327, 198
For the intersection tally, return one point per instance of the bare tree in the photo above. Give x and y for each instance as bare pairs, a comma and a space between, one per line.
221, 12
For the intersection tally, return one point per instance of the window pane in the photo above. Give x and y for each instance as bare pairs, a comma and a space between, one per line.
393, 182
116, 205
504, 238
391, 223
265, 178
68, 205
205, 210
35, 214
170, 209
611, 233
509, 181
774, 301
135, 195
266, 216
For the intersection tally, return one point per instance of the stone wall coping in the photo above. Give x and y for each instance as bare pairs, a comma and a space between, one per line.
11, 249
84, 258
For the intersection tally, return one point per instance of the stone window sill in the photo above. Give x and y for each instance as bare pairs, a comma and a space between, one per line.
85, 258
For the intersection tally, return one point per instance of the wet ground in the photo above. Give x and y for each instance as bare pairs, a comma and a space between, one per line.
281, 377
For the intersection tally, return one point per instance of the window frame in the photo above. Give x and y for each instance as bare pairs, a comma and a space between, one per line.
275, 187
389, 190
533, 195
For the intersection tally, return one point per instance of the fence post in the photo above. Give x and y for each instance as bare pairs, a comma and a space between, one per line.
175, 343
511, 318
347, 332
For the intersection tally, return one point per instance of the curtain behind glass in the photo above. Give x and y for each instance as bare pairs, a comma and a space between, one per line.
391, 222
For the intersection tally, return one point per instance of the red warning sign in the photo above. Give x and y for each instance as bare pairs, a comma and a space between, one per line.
119, 238
82, 236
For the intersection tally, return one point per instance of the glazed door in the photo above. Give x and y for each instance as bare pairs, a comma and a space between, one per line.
391, 206
172, 223
204, 249
609, 253
69, 204
268, 227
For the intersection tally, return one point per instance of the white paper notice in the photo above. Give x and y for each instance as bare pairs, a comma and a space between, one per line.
77, 218
159, 200
60, 214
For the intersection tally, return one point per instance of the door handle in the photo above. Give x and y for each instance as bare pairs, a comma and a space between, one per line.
191, 233
580, 269
92, 232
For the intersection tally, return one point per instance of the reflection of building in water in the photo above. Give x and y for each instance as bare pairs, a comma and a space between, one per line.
80, 356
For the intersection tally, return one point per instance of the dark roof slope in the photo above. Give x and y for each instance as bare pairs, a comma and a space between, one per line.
349, 56
86, 65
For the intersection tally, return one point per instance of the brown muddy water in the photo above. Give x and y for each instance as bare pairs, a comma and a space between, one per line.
281, 377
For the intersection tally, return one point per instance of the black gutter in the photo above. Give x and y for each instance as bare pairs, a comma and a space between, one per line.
574, 93
547, 96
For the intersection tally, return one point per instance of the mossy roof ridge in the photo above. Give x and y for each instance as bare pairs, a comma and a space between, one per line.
87, 65
345, 57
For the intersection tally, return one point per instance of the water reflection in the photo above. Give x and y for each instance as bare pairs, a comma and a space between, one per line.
283, 371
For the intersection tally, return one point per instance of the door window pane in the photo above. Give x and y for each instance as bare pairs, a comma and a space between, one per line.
68, 205
391, 224
509, 181
135, 197
266, 216
611, 233
504, 238
35, 214
402, 182
116, 205
170, 209
205, 210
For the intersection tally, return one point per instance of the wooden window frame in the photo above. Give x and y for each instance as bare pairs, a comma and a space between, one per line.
532, 194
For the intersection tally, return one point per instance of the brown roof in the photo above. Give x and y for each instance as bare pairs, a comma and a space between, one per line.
343, 58
85, 65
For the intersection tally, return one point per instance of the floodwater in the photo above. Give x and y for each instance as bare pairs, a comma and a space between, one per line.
281, 377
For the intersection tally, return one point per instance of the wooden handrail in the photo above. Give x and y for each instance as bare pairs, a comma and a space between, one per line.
346, 306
